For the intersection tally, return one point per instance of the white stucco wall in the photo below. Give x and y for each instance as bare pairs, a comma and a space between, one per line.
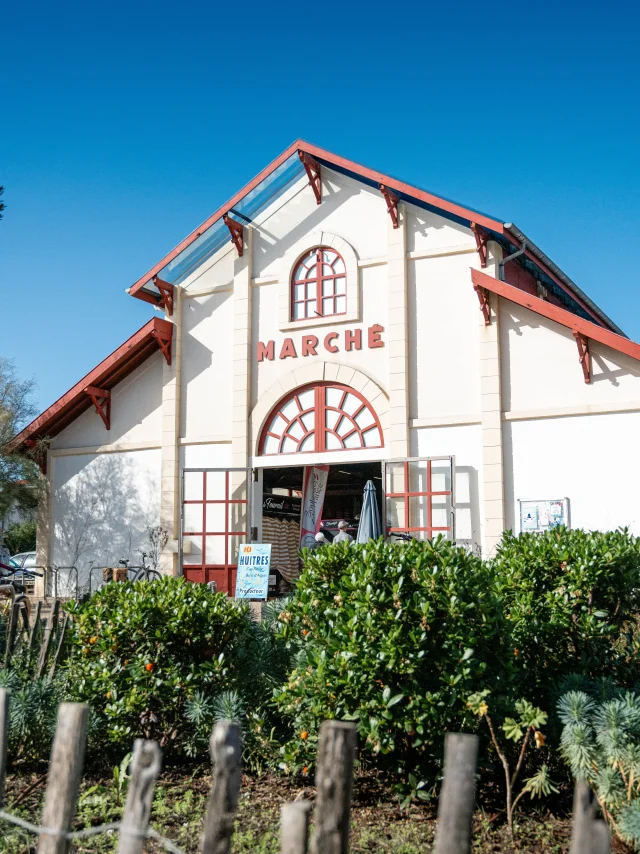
136, 412
465, 444
374, 362
101, 508
206, 456
590, 459
351, 209
206, 376
443, 338
540, 367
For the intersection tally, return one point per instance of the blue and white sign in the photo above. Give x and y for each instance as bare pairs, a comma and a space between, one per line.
254, 562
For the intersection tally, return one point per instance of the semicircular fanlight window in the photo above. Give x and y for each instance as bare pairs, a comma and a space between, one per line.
323, 417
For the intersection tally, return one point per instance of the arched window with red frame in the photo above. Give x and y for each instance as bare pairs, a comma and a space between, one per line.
321, 417
318, 284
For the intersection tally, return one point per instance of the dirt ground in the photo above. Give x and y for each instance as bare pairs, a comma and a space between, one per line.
377, 823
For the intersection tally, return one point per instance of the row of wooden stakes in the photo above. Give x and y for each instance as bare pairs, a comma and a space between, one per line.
334, 783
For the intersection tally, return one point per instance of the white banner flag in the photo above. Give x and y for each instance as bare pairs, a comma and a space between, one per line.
314, 486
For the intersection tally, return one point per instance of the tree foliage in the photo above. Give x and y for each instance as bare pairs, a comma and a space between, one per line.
20, 537
18, 475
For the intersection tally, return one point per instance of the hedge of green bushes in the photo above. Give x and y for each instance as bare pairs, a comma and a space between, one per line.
396, 637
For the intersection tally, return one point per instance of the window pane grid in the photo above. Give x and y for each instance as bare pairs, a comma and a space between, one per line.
334, 422
401, 501
319, 285
214, 557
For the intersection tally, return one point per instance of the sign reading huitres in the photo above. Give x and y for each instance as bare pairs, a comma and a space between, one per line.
254, 561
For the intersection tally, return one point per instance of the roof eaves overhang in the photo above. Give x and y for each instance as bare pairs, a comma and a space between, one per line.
571, 321
507, 233
546, 262
144, 288
123, 361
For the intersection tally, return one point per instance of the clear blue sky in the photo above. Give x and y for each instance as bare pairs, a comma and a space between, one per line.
124, 125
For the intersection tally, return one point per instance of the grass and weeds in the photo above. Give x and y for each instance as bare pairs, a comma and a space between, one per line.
180, 801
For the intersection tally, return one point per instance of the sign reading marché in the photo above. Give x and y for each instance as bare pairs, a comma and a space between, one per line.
308, 345
252, 580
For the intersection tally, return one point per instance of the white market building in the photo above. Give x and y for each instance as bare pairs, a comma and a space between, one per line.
329, 314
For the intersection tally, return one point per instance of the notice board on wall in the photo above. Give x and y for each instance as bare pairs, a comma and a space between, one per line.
542, 514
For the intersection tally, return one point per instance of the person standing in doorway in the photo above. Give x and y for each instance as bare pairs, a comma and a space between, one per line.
342, 536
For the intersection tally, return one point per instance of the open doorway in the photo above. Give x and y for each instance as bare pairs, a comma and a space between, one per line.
282, 504
343, 497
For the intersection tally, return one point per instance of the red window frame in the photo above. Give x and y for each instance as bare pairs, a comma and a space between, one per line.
406, 494
313, 285
319, 408
224, 574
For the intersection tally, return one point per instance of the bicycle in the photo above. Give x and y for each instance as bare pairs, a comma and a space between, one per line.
142, 573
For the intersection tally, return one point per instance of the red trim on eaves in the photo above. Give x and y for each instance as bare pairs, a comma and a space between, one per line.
559, 315
210, 220
329, 157
105, 376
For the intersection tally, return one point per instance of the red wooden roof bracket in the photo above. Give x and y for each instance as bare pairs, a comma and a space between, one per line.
101, 399
481, 237
584, 355
584, 331
392, 204
165, 300
485, 305
236, 229
313, 170
164, 340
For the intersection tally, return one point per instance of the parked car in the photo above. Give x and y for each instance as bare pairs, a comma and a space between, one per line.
24, 560
24, 572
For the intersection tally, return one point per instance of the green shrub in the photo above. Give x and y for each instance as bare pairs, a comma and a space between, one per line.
141, 652
33, 709
260, 663
601, 743
571, 599
395, 637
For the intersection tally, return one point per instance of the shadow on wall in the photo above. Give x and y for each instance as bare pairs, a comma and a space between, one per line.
509, 487
268, 246
467, 502
513, 321
103, 506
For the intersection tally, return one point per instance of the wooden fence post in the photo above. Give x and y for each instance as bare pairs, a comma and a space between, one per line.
600, 838
4, 737
145, 767
583, 810
25, 616
11, 632
50, 627
456, 802
65, 773
334, 783
294, 827
588, 836
56, 656
226, 753
34, 629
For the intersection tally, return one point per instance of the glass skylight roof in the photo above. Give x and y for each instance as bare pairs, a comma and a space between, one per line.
247, 210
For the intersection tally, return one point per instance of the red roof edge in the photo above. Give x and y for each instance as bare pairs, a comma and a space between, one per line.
107, 374
559, 315
336, 160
